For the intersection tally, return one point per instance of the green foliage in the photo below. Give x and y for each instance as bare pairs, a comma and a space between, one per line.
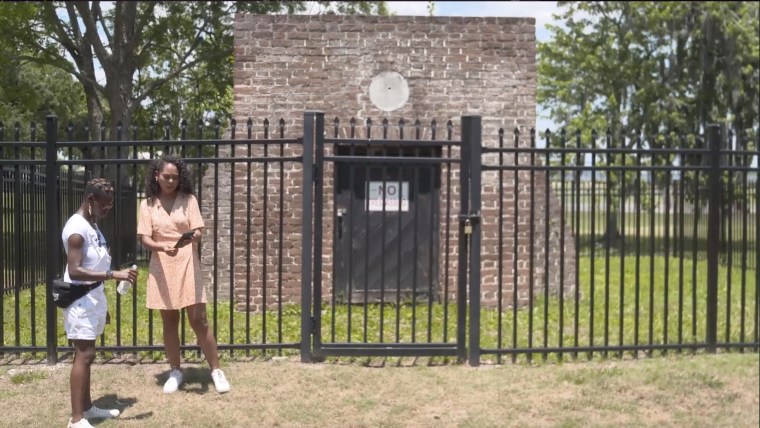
161, 60
353, 8
30, 91
652, 75
652, 66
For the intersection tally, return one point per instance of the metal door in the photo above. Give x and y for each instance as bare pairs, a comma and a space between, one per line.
387, 222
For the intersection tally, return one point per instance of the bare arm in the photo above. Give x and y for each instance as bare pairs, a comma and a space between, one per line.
79, 273
152, 245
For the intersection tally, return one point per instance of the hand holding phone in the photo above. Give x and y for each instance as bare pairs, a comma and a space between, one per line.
184, 239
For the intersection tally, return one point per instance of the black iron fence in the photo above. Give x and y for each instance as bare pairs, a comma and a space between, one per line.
23, 238
407, 239
662, 245
679, 215
43, 184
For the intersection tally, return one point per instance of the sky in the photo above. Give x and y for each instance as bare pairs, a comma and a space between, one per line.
540, 10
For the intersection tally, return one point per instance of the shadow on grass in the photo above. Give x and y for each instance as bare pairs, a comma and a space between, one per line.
195, 380
648, 245
113, 401
398, 362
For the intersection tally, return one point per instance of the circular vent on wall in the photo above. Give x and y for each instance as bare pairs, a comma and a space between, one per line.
389, 91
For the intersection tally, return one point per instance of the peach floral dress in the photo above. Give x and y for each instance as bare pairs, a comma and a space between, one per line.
174, 282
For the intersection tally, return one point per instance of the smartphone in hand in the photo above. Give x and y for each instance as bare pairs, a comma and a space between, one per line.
184, 239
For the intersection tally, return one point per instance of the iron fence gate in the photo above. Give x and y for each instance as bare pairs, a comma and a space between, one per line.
389, 217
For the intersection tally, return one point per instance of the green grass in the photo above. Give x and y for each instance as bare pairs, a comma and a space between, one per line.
28, 377
615, 307
122, 308
614, 318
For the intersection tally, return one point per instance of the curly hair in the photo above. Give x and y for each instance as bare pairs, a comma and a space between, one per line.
152, 189
98, 187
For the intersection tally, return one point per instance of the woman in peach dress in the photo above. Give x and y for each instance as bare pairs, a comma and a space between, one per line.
174, 280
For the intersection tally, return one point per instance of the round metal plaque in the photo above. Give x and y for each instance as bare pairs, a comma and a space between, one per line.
389, 91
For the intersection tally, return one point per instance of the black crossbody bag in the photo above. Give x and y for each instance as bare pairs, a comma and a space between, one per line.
65, 293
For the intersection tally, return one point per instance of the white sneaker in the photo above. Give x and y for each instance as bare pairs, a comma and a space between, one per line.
174, 381
82, 423
220, 381
98, 413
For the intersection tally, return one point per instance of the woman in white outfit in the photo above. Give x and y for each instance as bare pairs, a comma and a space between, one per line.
88, 265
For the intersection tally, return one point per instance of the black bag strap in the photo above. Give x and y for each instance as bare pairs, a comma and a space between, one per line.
61, 283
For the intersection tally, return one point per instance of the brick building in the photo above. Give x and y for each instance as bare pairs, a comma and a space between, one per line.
451, 66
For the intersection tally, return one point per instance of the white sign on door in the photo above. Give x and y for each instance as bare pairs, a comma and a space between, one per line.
394, 192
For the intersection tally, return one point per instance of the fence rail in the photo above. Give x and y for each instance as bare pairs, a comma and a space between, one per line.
580, 247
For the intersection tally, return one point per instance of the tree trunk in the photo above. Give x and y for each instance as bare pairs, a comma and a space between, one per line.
95, 117
119, 125
611, 235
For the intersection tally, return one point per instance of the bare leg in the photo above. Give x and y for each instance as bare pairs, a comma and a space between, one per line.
170, 319
79, 382
206, 340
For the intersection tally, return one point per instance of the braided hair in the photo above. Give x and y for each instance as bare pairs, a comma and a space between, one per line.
152, 189
98, 187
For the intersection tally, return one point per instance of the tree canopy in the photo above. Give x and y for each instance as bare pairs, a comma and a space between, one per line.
28, 92
652, 66
158, 58
638, 72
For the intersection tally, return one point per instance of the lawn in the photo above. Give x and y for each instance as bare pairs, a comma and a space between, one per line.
675, 391
607, 313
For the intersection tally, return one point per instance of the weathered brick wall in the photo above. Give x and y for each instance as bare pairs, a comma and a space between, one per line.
454, 66
262, 201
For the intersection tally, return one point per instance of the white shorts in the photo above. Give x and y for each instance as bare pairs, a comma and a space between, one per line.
85, 319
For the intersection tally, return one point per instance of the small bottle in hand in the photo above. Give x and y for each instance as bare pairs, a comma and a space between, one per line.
124, 285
